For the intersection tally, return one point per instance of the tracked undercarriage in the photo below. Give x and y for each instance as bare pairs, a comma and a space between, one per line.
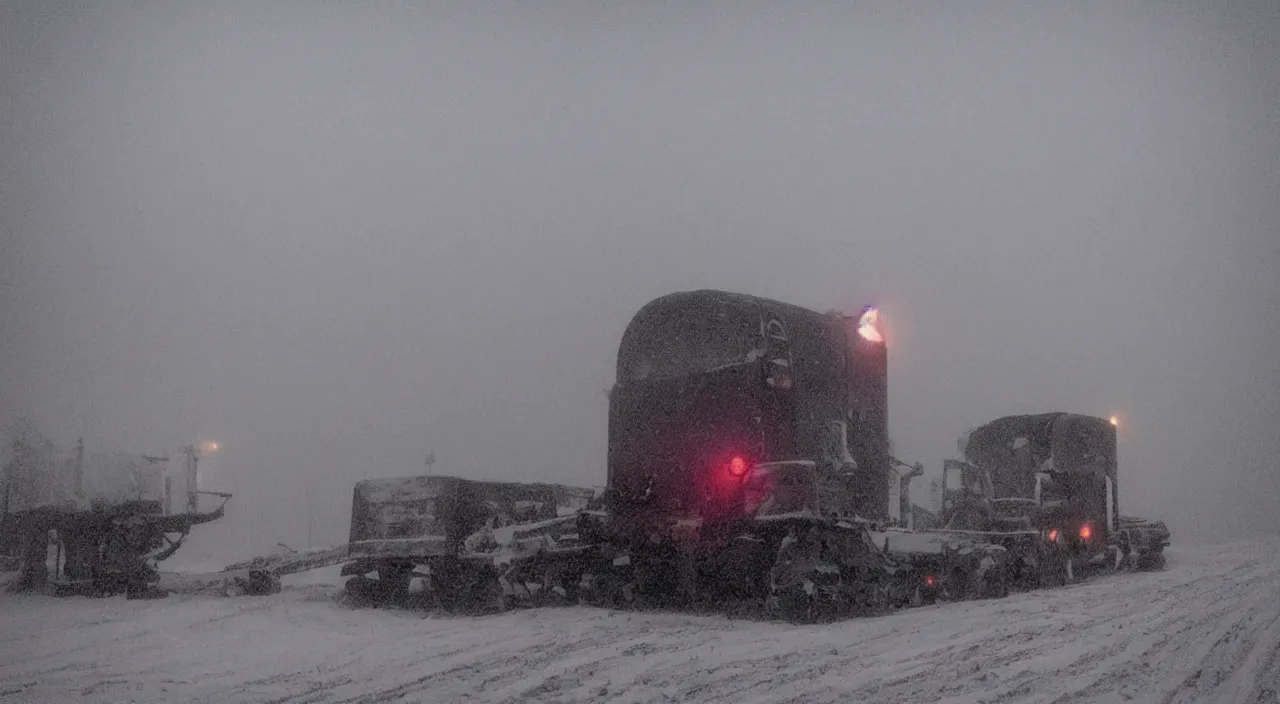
478, 547
797, 569
792, 565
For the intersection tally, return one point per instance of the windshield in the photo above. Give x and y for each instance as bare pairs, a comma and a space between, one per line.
687, 337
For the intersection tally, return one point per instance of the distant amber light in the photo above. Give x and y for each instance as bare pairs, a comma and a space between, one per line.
210, 446
1115, 420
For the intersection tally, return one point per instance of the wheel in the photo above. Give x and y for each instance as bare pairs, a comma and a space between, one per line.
392, 584
1049, 571
609, 591
359, 591
468, 588
793, 605
870, 595
571, 583
1151, 561
488, 595
990, 582
958, 586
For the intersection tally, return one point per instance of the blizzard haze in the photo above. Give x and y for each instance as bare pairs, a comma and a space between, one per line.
333, 238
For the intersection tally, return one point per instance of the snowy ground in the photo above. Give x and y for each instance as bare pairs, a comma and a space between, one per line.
1205, 629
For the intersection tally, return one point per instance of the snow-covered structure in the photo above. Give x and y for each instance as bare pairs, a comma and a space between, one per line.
108, 514
45, 475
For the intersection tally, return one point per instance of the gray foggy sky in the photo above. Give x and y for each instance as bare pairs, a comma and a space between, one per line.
334, 236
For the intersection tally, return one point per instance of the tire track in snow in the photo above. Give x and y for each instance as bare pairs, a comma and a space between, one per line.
974, 667
1162, 630
1252, 634
1108, 634
1139, 636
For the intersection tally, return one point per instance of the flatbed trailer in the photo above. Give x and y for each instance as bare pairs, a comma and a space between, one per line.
464, 539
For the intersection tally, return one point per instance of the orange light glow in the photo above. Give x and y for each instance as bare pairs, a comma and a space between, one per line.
1115, 420
210, 446
1053, 536
869, 326
737, 466
1085, 532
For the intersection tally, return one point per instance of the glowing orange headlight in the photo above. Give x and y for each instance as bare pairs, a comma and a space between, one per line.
869, 325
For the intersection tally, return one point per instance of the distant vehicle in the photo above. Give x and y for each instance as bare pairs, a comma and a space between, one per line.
1052, 475
108, 520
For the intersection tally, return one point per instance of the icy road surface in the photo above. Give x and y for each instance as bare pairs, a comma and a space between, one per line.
1207, 629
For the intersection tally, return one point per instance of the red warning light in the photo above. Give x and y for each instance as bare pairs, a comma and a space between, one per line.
737, 466
1085, 532
1053, 536
929, 580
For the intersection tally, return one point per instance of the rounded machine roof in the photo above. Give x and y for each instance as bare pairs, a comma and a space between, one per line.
1061, 436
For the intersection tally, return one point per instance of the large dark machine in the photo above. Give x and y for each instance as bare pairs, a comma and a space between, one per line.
1050, 475
711, 384
1064, 462
748, 464
748, 451
731, 412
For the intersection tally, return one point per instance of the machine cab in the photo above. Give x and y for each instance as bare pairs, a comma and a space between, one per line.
962, 481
